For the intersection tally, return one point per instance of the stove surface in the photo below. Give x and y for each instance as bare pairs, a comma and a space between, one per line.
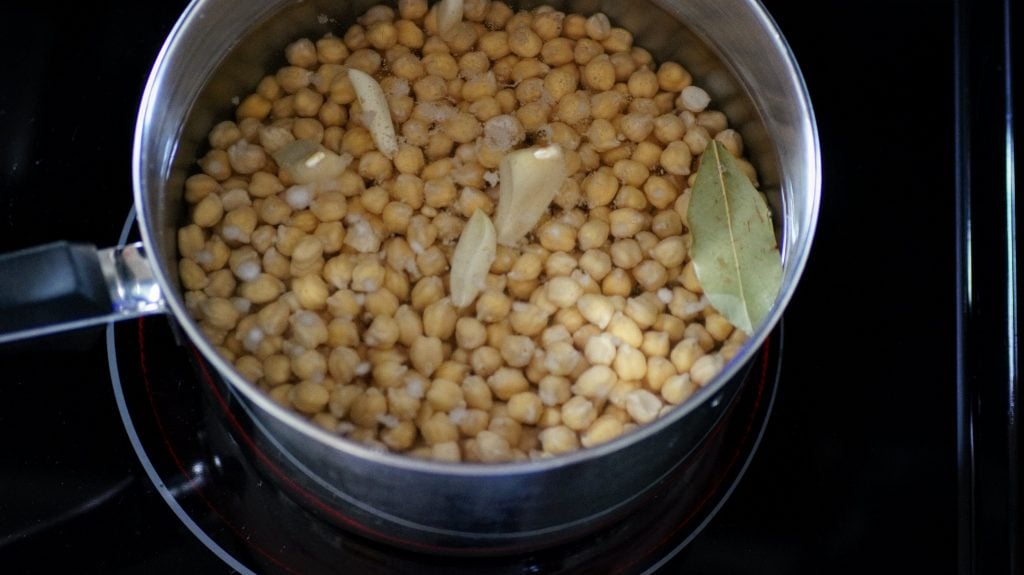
860, 467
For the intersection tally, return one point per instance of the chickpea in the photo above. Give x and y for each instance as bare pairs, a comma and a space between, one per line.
630, 363
224, 134
578, 413
472, 422
643, 83
208, 212
678, 388
440, 319
636, 127
561, 264
623, 327
412, 9
221, 284
558, 440
495, 44
602, 430
672, 77
643, 406
309, 365
191, 240
597, 264
626, 253
677, 158
561, 358
477, 393
525, 407
309, 397
219, 313
308, 329
624, 64
492, 306
574, 26
383, 332
192, 275
573, 108
700, 333
198, 186
600, 187
694, 99
524, 42
651, 275
600, 350
439, 429
254, 106
563, 291
426, 354
506, 382
599, 74
479, 87
597, 309
368, 276
528, 319
261, 290
517, 350
485, 360
455, 368
648, 153
331, 50
444, 395
497, 332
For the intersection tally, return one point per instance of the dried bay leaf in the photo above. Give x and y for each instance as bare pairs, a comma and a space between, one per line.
528, 181
735, 255
376, 113
472, 259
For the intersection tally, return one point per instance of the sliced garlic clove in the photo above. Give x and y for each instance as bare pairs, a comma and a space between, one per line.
472, 259
529, 180
449, 13
307, 162
376, 113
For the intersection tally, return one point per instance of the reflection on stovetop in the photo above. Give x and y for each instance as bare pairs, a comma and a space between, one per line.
857, 464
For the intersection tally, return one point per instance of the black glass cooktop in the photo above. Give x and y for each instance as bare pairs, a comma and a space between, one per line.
887, 442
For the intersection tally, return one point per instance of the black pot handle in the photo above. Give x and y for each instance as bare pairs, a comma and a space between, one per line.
65, 286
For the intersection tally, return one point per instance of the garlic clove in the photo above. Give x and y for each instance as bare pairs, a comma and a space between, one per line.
472, 259
529, 180
449, 14
307, 162
376, 113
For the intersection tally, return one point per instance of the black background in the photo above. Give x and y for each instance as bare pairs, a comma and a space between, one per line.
857, 470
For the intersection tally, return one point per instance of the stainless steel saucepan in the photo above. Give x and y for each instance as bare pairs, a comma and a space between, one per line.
217, 51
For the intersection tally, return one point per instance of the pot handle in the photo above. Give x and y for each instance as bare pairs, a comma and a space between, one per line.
65, 286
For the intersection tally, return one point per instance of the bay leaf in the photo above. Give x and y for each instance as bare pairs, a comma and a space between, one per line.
735, 254
472, 259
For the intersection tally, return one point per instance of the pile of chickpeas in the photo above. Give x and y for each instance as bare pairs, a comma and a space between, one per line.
334, 297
